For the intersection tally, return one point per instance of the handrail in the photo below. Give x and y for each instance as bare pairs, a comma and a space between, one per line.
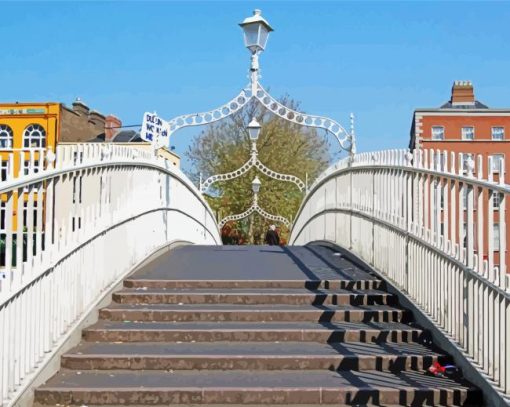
77, 222
435, 226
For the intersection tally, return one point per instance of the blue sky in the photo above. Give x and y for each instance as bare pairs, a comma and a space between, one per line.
379, 60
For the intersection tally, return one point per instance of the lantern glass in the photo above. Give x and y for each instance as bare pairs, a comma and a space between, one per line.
251, 36
256, 32
255, 185
263, 36
254, 129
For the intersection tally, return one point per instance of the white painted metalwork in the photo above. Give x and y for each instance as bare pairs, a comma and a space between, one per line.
255, 208
430, 224
255, 91
74, 227
253, 161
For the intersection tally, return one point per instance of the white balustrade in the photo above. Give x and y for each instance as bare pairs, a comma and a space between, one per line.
435, 225
72, 228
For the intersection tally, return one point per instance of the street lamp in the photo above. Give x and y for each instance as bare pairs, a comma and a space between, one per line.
254, 129
255, 208
255, 185
256, 31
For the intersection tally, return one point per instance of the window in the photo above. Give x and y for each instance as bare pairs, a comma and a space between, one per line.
34, 136
497, 197
495, 235
437, 133
468, 133
497, 160
498, 133
5, 137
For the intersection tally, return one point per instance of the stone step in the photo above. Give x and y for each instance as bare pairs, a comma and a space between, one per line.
253, 313
374, 284
251, 356
251, 296
113, 331
129, 387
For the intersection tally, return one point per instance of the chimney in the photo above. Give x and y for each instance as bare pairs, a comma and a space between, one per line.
463, 93
110, 124
81, 108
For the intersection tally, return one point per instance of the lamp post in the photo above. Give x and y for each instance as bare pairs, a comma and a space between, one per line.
254, 132
256, 32
255, 187
254, 208
254, 128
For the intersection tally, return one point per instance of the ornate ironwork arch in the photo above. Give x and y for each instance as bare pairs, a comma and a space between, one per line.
255, 208
253, 161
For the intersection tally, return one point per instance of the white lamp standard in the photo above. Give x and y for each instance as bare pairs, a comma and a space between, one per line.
255, 185
255, 208
254, 130
256, 32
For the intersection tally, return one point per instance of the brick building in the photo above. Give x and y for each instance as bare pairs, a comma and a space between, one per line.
465, 125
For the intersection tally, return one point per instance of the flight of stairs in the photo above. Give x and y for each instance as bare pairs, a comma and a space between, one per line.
166, 342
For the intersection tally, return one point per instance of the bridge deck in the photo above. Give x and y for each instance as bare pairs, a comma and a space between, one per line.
313, 263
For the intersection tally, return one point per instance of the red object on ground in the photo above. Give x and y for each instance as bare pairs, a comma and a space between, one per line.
443, 371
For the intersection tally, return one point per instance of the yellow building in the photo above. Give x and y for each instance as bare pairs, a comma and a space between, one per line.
27, 127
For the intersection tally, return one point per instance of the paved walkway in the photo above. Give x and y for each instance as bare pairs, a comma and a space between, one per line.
253, 263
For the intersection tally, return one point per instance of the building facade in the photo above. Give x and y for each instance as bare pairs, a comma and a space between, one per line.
464, 125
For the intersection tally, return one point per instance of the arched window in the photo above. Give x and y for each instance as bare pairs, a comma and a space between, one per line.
34, 136
5, 136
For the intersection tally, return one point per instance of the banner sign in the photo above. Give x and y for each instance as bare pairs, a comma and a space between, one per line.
155, 130
22, 111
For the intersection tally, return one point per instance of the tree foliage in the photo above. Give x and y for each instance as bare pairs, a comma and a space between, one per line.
282, 146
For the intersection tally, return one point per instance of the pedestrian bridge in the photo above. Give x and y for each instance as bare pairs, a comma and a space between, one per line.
393, 264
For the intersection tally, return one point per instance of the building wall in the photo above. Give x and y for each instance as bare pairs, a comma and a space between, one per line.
19, 116
453, 123
79, 124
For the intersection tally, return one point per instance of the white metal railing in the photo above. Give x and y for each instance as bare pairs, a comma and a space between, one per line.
435, 225
71, 229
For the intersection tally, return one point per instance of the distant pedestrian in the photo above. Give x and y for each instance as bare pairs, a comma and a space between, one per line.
272, 238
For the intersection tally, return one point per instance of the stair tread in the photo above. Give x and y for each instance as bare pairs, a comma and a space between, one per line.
250, 291
251, 326
367, 277
245, 380
252, 307
239, 349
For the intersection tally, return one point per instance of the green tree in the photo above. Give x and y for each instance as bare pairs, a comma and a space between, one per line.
282, 146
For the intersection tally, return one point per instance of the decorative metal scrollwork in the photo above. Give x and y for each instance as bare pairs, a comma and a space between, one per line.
303, 119
253, 161
280, 177
227, 176
256, 91
344, 138
199, 119
254, 208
